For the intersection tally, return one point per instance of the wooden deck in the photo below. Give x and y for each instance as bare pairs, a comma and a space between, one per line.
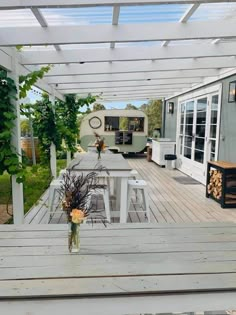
121, 269
170, 201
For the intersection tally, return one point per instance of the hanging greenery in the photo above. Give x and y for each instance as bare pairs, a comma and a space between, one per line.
27, 81
45, 126
68, 111
9, 159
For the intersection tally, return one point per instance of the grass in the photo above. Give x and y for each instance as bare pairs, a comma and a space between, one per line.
37, 181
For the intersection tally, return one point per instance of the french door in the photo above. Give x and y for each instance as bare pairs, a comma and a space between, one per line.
198, 136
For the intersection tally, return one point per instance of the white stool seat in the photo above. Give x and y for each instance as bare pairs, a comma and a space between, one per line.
141, 185
133, 174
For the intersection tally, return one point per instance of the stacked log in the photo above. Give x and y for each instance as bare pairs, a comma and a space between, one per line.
215, 185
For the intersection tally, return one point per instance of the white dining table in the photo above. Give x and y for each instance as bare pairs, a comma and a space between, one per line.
117, 167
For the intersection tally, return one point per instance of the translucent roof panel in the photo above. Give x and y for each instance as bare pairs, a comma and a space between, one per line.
152, 13
143, 44
189, 42
13, 18
211, 11
85, 46
78, 16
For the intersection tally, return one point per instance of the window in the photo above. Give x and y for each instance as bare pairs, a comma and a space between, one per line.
124, 123
111, 123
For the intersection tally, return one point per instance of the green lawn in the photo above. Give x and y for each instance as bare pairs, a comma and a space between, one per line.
37, 181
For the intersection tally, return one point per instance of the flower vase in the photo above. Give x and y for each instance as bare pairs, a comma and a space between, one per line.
99, 155
73, 237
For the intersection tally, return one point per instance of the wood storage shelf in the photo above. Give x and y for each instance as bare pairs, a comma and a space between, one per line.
221, 183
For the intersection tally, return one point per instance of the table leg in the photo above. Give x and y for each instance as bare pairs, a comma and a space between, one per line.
117, 185
123, 199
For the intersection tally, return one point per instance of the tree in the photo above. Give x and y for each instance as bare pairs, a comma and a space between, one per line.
25, 128
153, 110
98, 106
130, 106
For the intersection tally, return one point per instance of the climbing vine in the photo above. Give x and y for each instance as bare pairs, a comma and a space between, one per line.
27, 81
68, 111
9, 159
45, 126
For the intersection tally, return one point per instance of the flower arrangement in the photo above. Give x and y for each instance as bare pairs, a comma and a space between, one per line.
75, 193
99, 144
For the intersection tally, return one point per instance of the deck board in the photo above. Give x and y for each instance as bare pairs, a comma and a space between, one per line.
136, 259
170, 201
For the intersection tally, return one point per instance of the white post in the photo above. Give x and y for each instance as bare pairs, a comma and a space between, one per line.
17, 188
53, 156
68, 157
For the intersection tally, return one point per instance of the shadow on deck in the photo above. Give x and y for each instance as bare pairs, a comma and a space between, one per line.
170, 201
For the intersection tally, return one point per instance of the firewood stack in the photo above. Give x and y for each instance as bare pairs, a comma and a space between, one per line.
215, 185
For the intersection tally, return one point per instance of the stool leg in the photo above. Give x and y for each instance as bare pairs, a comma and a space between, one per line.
107, 205
146, 203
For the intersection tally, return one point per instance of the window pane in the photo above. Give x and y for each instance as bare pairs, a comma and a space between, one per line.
201, 117
212, 157
214, 102
182, 118
111, 123
213, 131
198, 156
188, 142
214, 117
200, 130
212, 146
182, 108
188, 130
135, 123
181, 129
189, 107
189, 118
187, 152
199, 143
202, 104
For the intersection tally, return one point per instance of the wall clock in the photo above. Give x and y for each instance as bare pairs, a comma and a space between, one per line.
95, 122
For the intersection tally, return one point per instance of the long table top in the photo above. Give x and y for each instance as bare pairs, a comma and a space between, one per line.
89, 161
116, 261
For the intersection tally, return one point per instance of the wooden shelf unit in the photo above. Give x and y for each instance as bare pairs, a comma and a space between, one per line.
224, 191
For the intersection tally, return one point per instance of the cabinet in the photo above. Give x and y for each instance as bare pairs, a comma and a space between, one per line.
160, 148
221, 183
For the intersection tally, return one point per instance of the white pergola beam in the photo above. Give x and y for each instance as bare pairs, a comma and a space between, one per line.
128, 88
143, 66
112, 93
40, 18
42, 21
86, 34
23, 4
137, 76
145, 83
127, 54
189, 13
115, 20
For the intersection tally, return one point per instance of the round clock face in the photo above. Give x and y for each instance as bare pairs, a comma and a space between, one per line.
95, 122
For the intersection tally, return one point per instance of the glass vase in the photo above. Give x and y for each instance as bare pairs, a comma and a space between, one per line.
73, 237
99, 155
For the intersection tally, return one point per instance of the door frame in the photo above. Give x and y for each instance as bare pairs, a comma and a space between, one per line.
184, 164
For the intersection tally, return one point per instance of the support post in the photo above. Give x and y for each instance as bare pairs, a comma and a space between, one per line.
17, 188
68, 157
53, 156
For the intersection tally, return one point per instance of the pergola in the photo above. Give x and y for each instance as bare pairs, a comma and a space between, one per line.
119, 49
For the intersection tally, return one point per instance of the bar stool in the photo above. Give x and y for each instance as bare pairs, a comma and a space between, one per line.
141, 185
106, 199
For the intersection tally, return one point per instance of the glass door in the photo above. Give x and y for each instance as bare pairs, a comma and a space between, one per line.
198, 134
213, 128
